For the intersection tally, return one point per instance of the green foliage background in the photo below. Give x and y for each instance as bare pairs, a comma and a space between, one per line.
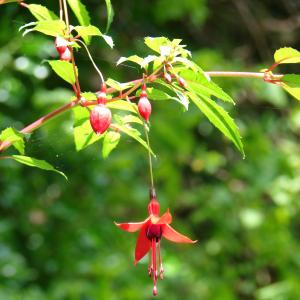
57, 238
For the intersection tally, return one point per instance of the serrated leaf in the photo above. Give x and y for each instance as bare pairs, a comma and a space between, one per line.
80, 12
14, 137
188, 63
133, 133
63, 69
42, 13
83, 133
37, 163
110, 14
117, 85
157, 94
219, 118
198, 83
182, 99
287, 55
50, 27
122, 105
155, 43
110, 142
108, 39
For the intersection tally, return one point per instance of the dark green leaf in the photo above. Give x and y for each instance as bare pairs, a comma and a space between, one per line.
219, 118
37, 163
292, 80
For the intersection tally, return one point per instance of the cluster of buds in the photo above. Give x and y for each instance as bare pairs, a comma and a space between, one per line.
62, 48
100, 116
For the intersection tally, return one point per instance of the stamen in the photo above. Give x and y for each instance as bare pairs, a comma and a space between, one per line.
150, 265
154, 266
161, 269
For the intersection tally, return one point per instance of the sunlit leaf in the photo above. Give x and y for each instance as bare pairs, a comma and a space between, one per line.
63, 69
86, 31
219, 118
37, 163
155, 43
133, 58
83, 132
294, 91
7, 1
80, 12
49, 27
287, 55
292, 80
110, 142
14, 137
132, 132
117, 85
110, 14
42, 13
122, 105
108, 39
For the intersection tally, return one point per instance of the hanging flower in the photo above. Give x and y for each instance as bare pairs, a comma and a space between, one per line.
152, 230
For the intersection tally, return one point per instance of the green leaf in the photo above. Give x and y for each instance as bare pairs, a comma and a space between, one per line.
294, 91
132, 132
199, 84
80, 12
83, 133
110, 14
292, 80
133, 58
37, 163
287, 55
122, 105
156, 43
118, 85
86, 31
219, 118
63, 69
42, 13
132, 119
110, 142
14, 137
49, 27
108, 39
182, 99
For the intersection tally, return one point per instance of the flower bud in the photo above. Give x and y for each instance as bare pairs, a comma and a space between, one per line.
100, 118
181, 82
167, 77
66, 56
61, 45
144, 105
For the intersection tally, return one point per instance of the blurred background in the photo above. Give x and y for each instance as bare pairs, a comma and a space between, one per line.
57, 238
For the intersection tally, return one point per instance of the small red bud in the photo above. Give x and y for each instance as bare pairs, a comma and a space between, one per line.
101, 95
66, 56
144, 107
182, 82
168, 77
100, 118
61, 45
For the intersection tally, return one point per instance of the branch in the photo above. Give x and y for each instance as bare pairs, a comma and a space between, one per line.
137, 83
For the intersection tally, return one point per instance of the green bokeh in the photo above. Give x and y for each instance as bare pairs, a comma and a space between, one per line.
57, 238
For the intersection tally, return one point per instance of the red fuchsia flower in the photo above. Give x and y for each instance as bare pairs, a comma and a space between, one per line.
152, 230
144, 105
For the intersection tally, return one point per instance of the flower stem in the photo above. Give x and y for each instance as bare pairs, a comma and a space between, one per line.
149, 155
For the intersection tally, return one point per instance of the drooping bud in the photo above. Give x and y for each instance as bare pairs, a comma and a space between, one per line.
101, 95
66, 56
181, 82
100, 118
167, 77
144, 105
61, 45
